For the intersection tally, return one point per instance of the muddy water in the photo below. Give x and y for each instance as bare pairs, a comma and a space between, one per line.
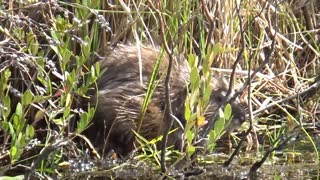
281, 165
298, 160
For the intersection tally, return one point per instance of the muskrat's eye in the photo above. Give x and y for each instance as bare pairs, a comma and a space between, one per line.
220, 98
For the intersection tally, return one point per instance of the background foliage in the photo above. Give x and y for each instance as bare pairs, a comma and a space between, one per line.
48, 51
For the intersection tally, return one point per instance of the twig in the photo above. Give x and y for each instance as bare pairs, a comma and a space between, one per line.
233, 72
248, 82
236, 151
258, 164
167, 86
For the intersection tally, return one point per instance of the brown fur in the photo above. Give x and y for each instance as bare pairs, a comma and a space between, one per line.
121, 96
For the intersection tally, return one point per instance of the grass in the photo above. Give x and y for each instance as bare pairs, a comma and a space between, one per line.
48, 55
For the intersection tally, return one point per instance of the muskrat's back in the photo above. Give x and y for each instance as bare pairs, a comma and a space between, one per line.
121, 96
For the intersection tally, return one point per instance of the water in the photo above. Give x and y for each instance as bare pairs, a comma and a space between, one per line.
281, 165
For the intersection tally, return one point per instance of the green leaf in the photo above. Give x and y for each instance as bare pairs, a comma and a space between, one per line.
221, 114
4, 80
92, 74
194, 97
80, 60
7, 74
191, 150
97, 67
207, 95
38, 98
20, 141
66, 111
86, 47
212, 140
56, 37
19, 110
39, 115
68, 78
217, 49
195, 79
91, 113
212, 137
19, 33
16, 120
220, 124
30, 131
4, 126
27, 97
42, 80
19, 177
187, 114
12, 132
189, 136
83, 122
187, 111
66, 56
33, 45
192, 60
58, 122
7, 104
13, 152
68, 100
227, 112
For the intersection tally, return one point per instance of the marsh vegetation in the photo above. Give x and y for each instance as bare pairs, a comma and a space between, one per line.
50, 67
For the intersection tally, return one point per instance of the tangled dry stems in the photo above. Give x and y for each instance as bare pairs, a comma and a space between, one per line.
292, 67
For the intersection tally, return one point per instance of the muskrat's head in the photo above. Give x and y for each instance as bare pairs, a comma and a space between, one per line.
218, 99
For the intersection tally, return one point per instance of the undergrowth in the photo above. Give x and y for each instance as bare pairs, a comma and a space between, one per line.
48, 63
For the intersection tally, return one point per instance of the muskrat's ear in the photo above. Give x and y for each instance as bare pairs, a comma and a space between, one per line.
219, 82
105, 51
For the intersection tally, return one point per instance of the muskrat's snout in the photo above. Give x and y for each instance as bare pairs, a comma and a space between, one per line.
238, 116
218, 99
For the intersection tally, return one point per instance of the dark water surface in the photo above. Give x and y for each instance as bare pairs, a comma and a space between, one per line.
284, 165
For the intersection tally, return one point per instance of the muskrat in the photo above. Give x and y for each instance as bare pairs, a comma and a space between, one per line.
121, 96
